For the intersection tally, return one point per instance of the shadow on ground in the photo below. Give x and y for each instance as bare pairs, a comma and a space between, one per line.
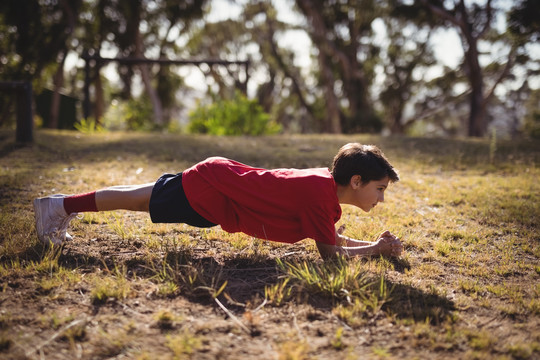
199, 277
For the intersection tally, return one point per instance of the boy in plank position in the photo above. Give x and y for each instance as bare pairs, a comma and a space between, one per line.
285, 205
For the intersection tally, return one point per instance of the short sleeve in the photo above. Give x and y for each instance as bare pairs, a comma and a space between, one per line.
317, 224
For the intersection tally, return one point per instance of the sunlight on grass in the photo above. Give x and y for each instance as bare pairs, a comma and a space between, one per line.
335, 280
339, 280
176, 274
114, 286
279, 293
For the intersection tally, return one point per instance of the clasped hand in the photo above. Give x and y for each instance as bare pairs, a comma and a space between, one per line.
388, 244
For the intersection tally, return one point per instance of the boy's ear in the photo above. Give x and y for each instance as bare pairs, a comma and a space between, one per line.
356, 181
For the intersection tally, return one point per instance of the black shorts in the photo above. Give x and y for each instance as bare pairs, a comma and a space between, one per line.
169, 204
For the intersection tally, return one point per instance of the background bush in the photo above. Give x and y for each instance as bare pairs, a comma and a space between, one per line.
239, 116
133, 115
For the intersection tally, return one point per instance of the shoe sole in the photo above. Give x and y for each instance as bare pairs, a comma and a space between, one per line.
39, 219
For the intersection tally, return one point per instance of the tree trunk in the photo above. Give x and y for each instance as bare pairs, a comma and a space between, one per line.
477, 114
146, 76
285, 68
333, 121
99, 105
58, 81
152, 94
462, 19
397, 118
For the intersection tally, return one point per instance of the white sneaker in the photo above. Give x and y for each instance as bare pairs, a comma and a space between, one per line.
51, 219
68, 236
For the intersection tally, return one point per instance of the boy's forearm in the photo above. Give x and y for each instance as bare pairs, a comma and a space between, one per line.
349, 242
387, 244
331, 251
365, 250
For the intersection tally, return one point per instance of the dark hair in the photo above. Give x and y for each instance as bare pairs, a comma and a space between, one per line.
368, 161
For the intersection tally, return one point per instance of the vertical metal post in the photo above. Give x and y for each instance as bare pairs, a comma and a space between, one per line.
25, 113
246, 67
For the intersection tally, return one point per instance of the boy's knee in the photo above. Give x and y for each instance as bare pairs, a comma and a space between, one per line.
143, 205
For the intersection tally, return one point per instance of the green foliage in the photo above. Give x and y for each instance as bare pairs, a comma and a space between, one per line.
89, 126
135, 115
532, 119
138, 114
523, 22
239, 116
33, 35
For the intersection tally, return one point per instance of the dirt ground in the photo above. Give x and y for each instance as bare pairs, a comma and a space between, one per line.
302, 329
48, 309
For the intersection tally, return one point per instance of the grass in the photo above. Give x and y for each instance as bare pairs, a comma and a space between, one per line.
183, 344
467, 210
342, 279
110, 287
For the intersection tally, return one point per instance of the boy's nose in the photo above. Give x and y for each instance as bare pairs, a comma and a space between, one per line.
381, 198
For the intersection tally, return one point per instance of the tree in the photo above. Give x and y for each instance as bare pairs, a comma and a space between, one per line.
256, 35
408, 50
221, 40
35, 34
524, 20
99, 20
285, 93
341, 31
161, 19
473, 23
139, 29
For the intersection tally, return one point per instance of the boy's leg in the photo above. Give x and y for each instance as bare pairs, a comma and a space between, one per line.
124, 197
53, 213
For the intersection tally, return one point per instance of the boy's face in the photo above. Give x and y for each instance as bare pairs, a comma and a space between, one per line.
367, 196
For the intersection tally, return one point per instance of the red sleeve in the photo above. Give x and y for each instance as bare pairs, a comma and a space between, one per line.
318, 225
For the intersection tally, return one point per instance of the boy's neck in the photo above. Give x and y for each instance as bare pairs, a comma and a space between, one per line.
342, 194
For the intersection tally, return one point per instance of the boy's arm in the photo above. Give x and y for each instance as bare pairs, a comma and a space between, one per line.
343, 240
387, 244
347, 241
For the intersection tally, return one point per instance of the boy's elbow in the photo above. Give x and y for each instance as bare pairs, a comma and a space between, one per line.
328, 252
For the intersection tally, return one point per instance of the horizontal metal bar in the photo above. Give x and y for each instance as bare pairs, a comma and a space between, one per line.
129, 60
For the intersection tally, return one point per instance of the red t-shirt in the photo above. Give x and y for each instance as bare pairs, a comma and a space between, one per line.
285, 205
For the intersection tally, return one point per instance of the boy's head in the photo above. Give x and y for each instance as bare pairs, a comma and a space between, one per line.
368, 161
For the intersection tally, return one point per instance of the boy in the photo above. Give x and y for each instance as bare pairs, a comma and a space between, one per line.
285, 205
